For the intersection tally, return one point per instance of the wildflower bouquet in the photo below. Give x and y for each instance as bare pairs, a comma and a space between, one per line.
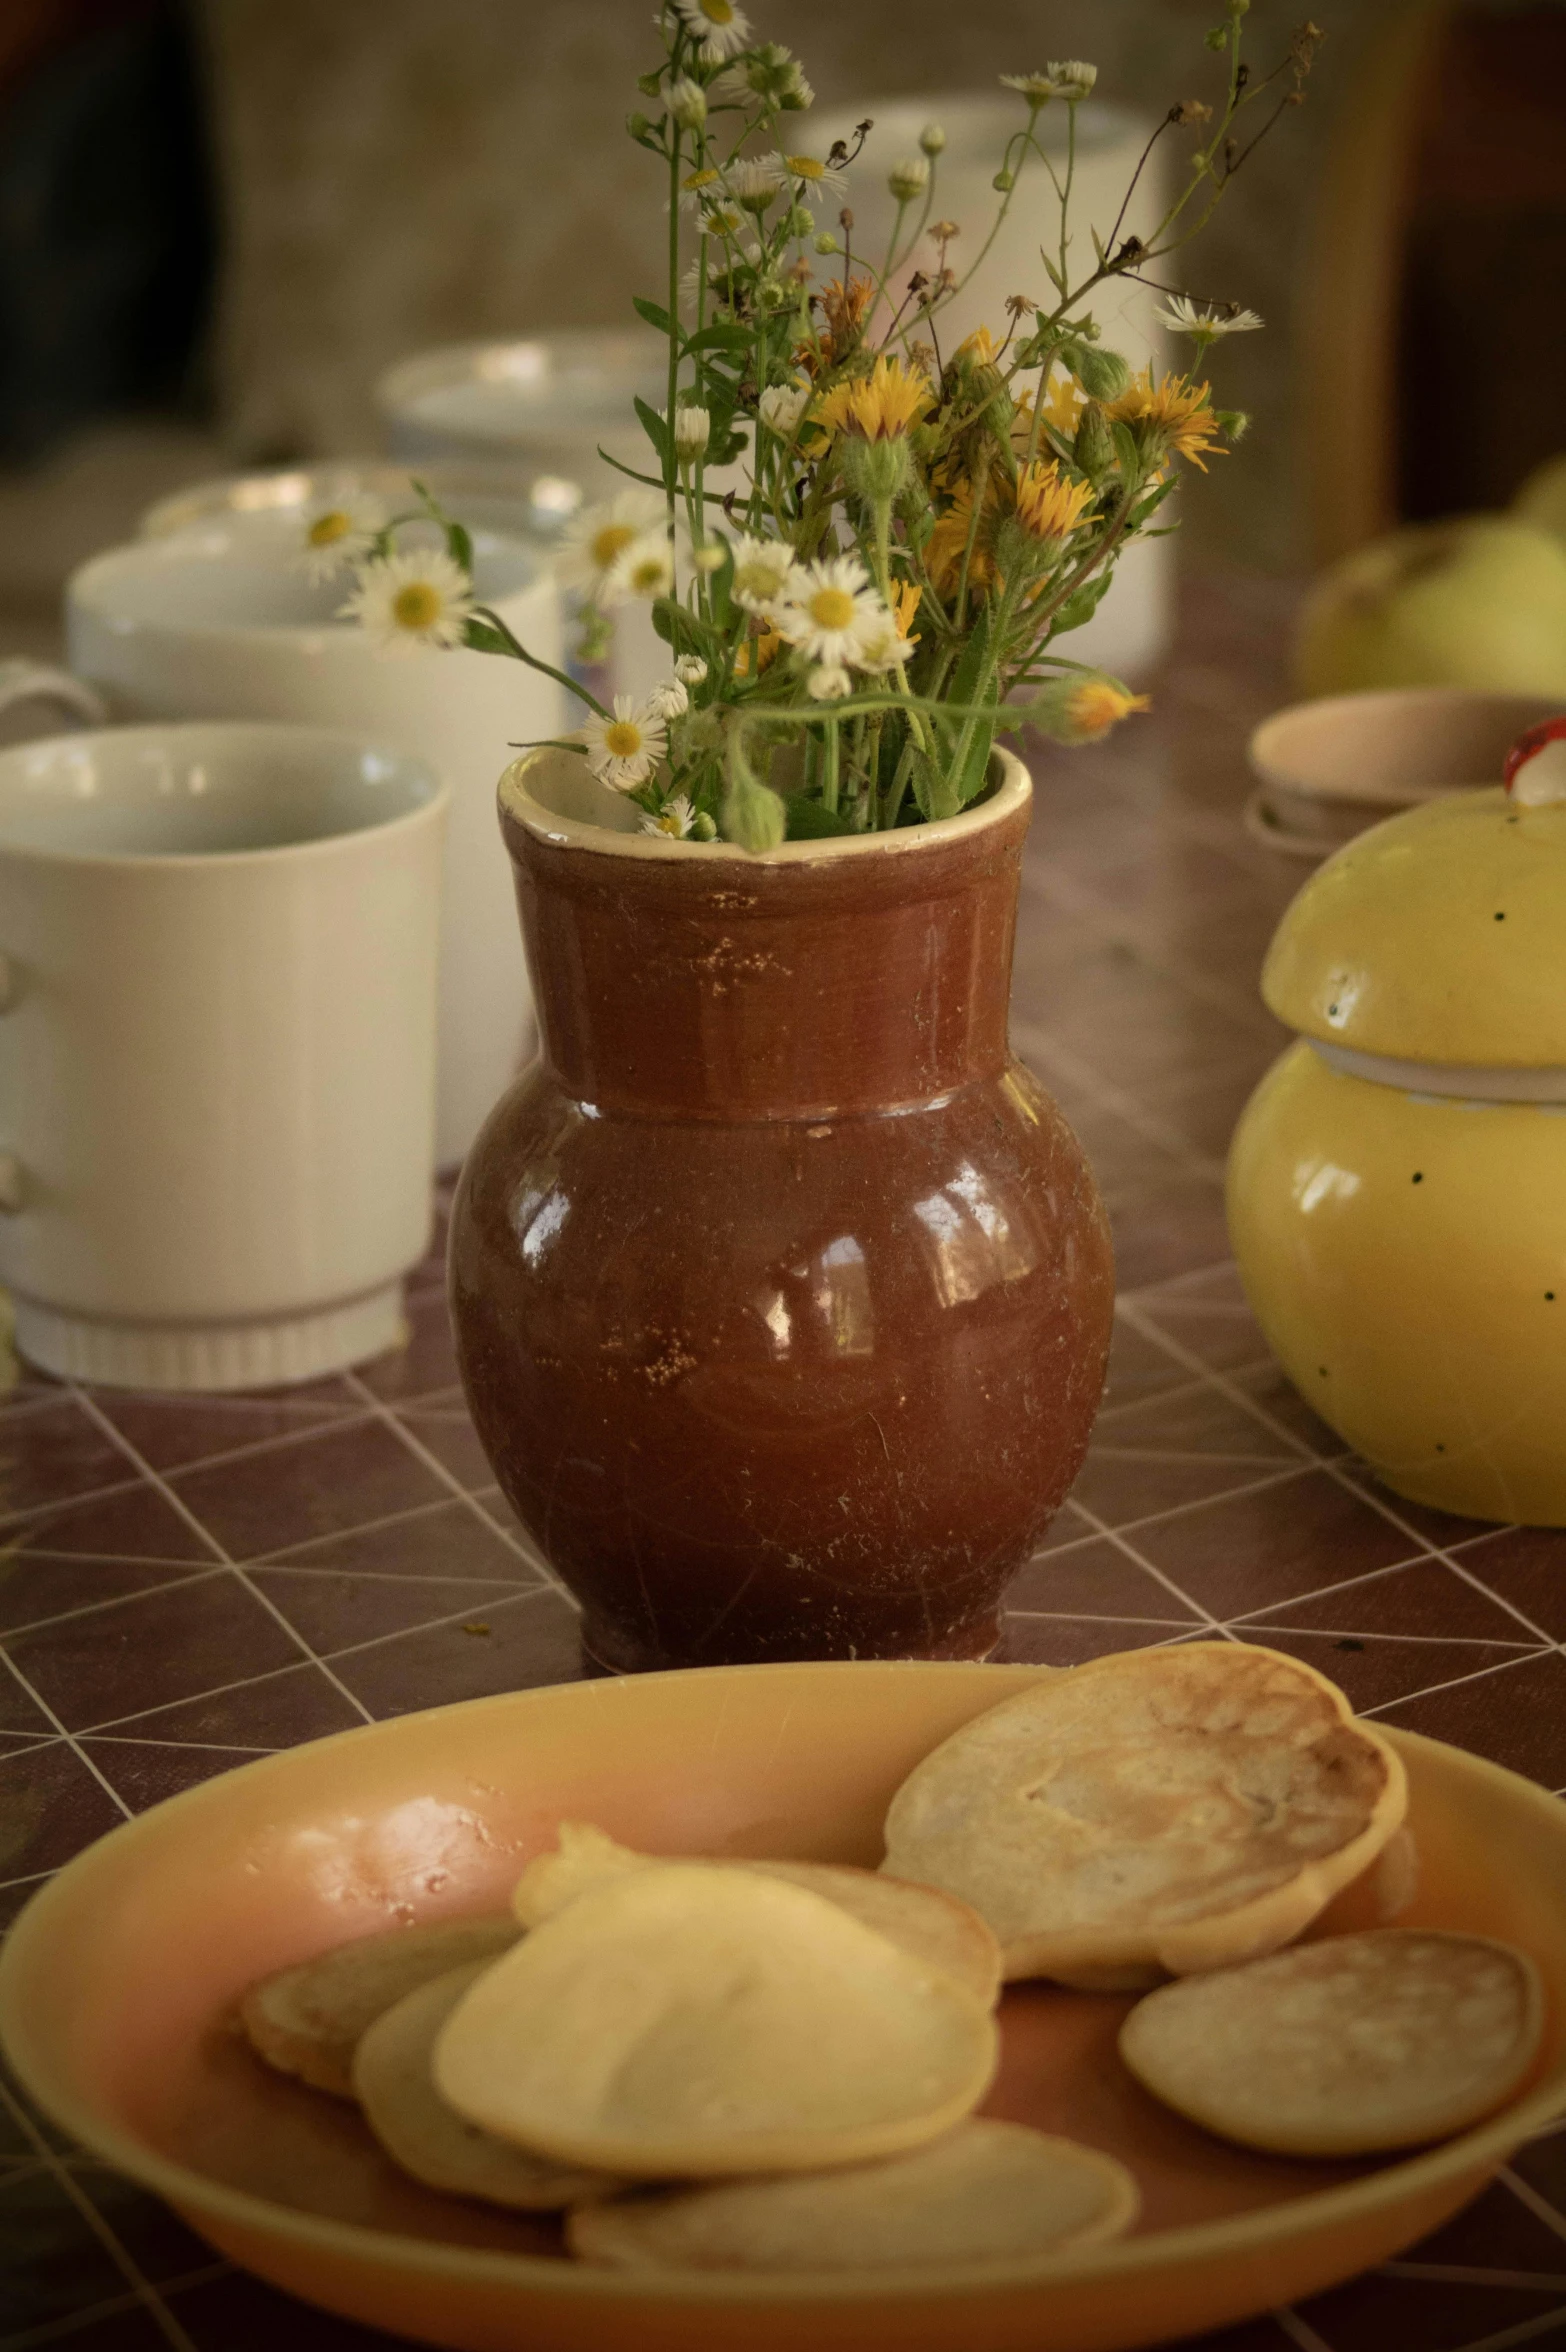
875, 585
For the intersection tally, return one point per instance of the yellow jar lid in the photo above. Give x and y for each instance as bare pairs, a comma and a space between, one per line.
1439, 936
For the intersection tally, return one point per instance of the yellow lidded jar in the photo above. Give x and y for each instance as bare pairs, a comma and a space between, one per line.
1397, 1183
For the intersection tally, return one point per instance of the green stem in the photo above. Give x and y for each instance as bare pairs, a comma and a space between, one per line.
832, 766
519, 652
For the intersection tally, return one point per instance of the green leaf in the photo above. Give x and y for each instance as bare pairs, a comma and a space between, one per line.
811, 820
666, 615
1083, 603
656, 430
460, 547
1151, 503
722, 335
651, 313
483, 637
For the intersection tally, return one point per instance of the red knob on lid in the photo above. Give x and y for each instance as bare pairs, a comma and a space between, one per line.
1535, 771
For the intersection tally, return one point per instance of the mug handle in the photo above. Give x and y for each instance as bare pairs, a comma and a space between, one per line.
30, 681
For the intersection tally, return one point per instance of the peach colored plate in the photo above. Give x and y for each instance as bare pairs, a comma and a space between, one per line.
118, 1983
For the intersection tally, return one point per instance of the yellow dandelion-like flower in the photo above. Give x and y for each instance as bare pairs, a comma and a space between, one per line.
947, 543
905, 609
1099, 704
880, 406
1048, 506
1064, 401
1177, 410
844, 308
980, 345
767, 644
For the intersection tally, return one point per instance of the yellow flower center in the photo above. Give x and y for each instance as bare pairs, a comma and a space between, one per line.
418, 606
623, 738
669, 822
831, 608
699, 179
329, 527
612, 540
718, 12
648, 574
805, 167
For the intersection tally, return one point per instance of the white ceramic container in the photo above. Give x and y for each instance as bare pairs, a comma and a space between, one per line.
220, 622
217, 1049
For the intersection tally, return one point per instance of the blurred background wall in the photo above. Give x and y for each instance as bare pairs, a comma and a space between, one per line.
222, 218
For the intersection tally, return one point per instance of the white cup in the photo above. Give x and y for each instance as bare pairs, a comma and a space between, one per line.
217, 1049
220, 622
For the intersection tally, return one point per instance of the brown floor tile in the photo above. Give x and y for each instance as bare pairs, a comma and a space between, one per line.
55, 1452
20, 1714
1206, 1112
171, 1432
193, 1637
237, 2313
1252, 2335
1118, 1488
1496, 2232
273, 1711
1168, 1229
1245, 1552
1424, 1597
1516, 1716
37, 1585
1093, 1580
1124, 1160
1194, 1420
1376, 1669
1526, 1566
425, 1364
532, 1639
1442, 1528
1276, 1395
1070, 1641
314, 1486
51, 2261
1381, 2313
1221, 1337
1139, 1366
1067, 1527
134, 1523
156, 2240
448, 1434
445, 1539
1542, 2164
333, 1612
50, 1807
145, 1772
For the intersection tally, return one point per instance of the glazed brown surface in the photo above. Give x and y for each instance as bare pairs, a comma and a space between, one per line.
782, 1292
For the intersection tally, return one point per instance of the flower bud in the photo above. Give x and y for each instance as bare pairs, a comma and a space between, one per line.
909, 179
876, 470
827, 243
1005, 181
692, 430
708, 559
703, 828
1234, 423
1103, 375
688, 104
1094, 447
932, 139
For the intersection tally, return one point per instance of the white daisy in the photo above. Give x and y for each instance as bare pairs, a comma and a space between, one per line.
781, 408
687, 102
768, 77
753, 181
763, 569
701, 187
909, 179
881, 646
721, 219
408, 600
623, 750
600, 535
646, 568
690, 669
831, 611
671, 698
724, 29
676, 818
828, 682
1064, 77
692, 430
810, 173
1189, 318
341, 534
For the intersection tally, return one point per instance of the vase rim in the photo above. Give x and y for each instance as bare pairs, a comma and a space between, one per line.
1011, 791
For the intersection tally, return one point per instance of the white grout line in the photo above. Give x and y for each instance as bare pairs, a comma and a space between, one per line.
1547, 2322
376, 1641
1456, 1681
1526, 2194
69, 1738
184, 1747
29, 1878
177, 1502
145, 2292
289, 1556
197, 1572
1458, 2274
1302, 2333
448, 1478
110, 1723
1116, 1536
1039, 1044
60, 2331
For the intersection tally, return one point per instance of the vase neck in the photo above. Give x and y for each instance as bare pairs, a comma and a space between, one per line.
695, 986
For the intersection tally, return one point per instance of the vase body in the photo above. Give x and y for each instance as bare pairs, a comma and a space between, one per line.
782, 1292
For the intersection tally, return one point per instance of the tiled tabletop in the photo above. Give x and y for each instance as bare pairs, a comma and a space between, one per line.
185, 1584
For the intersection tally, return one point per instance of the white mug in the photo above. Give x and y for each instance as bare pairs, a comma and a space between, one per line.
220, 622
217, 1049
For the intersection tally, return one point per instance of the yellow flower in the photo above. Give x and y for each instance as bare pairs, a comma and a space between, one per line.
880, 406
767, 644
944, 549
905, 608
1064, 401
1099, 704
1177, 410
844, 308
1048, 506
980, 345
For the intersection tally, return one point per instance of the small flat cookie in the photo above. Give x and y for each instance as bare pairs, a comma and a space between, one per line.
394, 2086
986, 2192
1164, 1809
932, 1926
307, 2020
691, 2020
1344, 2047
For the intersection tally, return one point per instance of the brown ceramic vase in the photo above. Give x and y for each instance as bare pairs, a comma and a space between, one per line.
782, 1291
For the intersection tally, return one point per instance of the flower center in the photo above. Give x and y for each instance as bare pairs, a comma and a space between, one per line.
831, 608
648, 573
611, 541
418, 606
623, 738
329, 527
805, 167
718, 12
